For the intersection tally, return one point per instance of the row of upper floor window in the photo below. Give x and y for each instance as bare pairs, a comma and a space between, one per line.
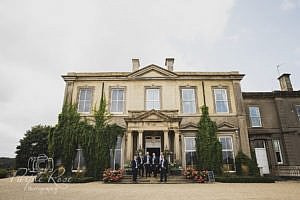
153, 99
256, 119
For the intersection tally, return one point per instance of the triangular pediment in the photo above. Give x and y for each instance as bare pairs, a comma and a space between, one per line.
152, 71
153, 115
226, 126
189, 126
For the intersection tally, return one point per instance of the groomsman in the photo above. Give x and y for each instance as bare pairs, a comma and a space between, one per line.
141, 164
147, 163
160, 156
134, 167
163, 169
155, 164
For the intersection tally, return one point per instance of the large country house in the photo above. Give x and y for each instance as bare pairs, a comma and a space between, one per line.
160, 108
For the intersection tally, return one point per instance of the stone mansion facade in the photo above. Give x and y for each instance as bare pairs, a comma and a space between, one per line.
160, 108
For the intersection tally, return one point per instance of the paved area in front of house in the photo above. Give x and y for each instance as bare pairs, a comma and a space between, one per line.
20, 188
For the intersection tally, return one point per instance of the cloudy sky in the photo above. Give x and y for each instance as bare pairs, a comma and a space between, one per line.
41, 40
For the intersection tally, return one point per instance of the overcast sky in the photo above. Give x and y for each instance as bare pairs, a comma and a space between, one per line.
41, 40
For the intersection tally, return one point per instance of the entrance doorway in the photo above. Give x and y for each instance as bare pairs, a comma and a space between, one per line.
261, 155
262, 160
153, 150
153, 144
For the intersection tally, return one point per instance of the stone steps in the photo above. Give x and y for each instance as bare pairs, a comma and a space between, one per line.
127, 179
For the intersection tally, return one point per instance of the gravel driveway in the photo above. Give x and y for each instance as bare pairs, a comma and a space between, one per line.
22, 189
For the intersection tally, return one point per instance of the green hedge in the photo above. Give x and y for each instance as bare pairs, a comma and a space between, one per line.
3, 173
46, 179
245, 179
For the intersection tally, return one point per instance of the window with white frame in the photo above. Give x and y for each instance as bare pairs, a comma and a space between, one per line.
190, 151
188, 100
117, 100
115, 155
298, 111
152, 98
85, 100
277, 150
221, 100
255, 118
227, 153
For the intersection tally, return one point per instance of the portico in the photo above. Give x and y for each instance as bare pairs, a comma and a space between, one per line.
152, 131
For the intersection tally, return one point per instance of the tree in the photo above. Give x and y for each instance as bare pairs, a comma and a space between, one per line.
105, 137
208, 147
35, 142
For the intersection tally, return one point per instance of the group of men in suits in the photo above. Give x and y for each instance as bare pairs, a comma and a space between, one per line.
151, 165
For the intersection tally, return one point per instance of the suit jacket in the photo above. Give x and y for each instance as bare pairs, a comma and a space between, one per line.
156, 160
134, 165
164, 165
140, 160
145, 159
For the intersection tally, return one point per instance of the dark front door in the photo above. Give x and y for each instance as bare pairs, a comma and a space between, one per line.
153, 150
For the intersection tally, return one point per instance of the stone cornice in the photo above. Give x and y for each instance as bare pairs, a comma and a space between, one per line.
273, 94
127, 76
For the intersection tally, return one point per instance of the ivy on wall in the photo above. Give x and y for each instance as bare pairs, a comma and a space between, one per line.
95, 139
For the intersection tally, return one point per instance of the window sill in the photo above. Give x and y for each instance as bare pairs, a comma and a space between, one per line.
84, 113
222, 113
118, 114
256, 127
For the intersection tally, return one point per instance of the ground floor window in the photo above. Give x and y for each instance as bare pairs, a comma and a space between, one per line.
277, 151
227, 153
115, 155
190, 151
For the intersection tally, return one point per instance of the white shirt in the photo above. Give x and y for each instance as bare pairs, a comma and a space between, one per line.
136, 165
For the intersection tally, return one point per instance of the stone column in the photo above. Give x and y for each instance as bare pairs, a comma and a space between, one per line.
69, 92
244, 139
166, 139
140, 143
129, 146
176, 145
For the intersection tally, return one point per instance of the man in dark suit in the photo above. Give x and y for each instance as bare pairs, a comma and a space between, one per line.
163, 166
134, 167
147, 163
154, 164
140, 159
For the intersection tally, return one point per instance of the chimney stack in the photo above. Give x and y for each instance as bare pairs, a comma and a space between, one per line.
169, 63
285, 82
135, 64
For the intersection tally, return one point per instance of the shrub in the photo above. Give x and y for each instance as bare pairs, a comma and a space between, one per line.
110, 175
55, 178
3, 173
246, 166
196, 175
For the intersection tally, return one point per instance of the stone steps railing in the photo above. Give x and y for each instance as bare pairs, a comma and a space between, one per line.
291, 171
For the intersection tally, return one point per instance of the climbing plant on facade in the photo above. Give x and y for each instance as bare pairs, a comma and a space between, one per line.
96, 139
65, 137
